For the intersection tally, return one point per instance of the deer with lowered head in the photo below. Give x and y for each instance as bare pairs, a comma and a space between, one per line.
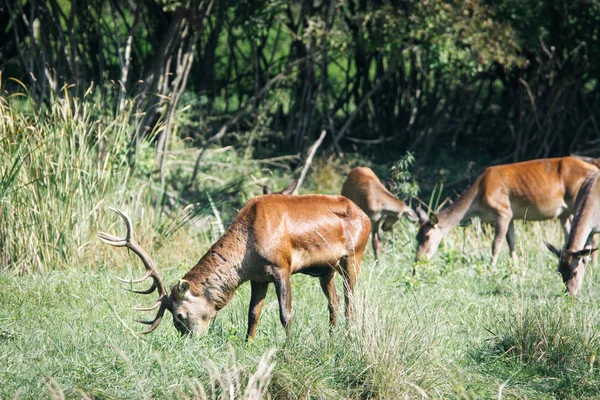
272, 237
534, 190
586, 222
363, 187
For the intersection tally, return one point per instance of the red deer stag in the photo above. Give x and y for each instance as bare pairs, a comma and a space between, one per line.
573, 260
535, 190
364, 188
273, 237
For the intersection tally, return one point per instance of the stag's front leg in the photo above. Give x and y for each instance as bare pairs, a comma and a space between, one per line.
565, 223
328, 286
284, 295
257, 299
510, 239
349, 272
502, 224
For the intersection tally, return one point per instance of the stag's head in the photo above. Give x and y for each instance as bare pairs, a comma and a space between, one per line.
192, 312
571, 266
429, 236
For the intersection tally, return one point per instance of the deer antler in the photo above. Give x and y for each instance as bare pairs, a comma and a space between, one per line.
164, 301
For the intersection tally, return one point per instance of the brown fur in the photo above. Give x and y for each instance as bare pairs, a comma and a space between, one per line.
363, 187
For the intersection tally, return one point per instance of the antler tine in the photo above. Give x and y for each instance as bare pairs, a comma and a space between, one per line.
127, 221
152, 307
138, 280
146, 291
154, 323
129, 242
156, 284
112, 240
164, 301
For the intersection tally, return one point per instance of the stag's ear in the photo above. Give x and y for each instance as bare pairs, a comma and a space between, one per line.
582, 253
433, 219
290, 188
553, 249
422, 215
183, 286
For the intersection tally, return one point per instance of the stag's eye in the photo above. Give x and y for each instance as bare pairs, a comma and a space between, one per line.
180, 317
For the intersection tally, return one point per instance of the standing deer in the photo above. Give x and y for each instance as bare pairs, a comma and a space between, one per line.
535, 190
573, 260
364, 188
272, 237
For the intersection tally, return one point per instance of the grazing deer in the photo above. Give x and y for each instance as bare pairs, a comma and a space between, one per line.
573, 260
272, 237
534, 190
364, 188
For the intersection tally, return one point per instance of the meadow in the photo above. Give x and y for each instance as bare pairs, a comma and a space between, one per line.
457, 329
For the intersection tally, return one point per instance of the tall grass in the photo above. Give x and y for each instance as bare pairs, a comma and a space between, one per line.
62, 163
548, 338
59, 165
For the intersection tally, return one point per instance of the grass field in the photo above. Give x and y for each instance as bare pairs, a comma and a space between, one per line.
459, 329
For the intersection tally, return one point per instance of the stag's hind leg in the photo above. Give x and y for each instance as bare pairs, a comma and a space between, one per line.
349, 267
566, 219
257, 299
328, 286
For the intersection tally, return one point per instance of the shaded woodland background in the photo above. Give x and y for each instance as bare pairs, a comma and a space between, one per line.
515, 79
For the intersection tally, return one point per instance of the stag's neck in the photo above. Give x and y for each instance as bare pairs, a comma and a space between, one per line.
461, 209
587, 214
220, 271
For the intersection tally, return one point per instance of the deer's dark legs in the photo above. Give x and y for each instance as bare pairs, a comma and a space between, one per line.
510, 239
328, 286
502, 227
257, 299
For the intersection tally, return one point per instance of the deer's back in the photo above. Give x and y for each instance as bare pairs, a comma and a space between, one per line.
364, 188
537, 189
304, 231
